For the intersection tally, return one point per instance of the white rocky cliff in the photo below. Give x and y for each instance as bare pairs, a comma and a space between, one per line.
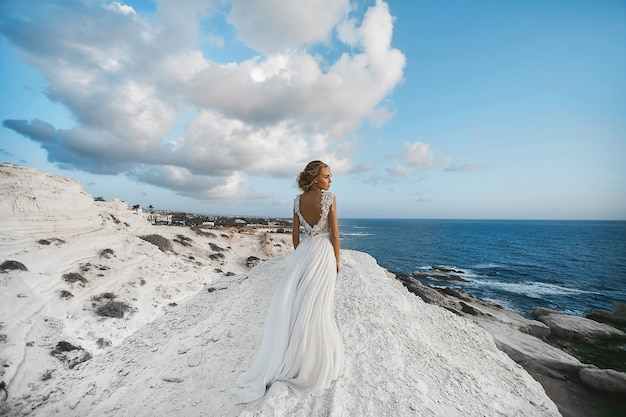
192, 327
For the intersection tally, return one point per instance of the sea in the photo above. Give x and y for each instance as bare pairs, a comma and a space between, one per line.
568, 266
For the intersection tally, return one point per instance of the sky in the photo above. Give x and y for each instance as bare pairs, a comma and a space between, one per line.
423, 109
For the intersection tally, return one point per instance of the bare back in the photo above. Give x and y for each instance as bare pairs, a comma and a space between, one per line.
311, 207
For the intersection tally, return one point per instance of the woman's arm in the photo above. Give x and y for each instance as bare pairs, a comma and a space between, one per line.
334, 230
295, 231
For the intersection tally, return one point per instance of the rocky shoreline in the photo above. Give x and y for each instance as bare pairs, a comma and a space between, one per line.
545, 347
195, 302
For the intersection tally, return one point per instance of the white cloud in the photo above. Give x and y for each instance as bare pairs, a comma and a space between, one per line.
121, 8
127, 80
462, 168
400, 171
419, 155
271, 26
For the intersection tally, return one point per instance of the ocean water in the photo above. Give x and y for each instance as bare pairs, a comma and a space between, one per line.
568, 266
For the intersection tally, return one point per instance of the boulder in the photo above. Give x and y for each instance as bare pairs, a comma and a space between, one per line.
446, 269
608, 317
427, 294
461, 303
450, 291
468, 309
604, 379
577, 328
530, 351
438, 275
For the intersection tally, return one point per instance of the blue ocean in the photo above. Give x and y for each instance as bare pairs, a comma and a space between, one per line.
568, 266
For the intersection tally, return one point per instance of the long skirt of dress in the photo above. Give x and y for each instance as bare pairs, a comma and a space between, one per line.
301, 343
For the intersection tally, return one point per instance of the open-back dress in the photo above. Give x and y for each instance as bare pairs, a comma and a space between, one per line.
301, 343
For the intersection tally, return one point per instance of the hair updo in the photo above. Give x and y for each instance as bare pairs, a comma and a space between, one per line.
311, 171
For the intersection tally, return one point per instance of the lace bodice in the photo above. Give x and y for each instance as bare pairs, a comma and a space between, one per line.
322, 226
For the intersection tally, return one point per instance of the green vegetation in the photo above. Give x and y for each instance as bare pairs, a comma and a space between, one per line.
161, 242
113, 309
606, 356
107, 253
12, 265
104, 296
72, 277
66, 295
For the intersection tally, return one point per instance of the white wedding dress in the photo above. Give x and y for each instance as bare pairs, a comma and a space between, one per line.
301, 343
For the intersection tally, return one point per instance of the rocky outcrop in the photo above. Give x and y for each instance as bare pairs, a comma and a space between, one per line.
440, 272
537, 345
28, 208
577, 328
531, 351
616, 317
604, 379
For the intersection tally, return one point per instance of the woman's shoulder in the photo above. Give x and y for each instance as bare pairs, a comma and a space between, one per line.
328, 199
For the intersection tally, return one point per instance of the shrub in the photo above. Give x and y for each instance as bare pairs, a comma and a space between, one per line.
73, 277
49, 241
252, 261
12, 265
103, 343
215, 247
66, 295
69, 354
183, 240
104, 296
161, 242
64, 346
106, 253
114, 309
201, 232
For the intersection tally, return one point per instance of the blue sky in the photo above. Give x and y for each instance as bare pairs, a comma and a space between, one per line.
423, 109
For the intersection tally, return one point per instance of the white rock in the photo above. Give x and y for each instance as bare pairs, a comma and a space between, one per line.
604, 379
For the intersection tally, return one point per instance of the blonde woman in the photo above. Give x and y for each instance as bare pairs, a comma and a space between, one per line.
301, 343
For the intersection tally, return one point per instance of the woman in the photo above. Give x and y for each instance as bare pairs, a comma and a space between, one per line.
301, 343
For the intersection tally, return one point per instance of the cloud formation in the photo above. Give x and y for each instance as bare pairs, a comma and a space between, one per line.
151, 104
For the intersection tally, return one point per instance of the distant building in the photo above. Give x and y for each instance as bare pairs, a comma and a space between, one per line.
179, 218
159, 218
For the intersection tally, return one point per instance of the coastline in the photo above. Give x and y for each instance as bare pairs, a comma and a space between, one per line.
540, 351
521, 264
197, 301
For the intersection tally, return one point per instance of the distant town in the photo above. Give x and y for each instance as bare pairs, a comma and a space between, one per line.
165, 217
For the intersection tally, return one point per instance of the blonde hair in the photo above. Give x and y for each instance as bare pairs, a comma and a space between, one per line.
311, 171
